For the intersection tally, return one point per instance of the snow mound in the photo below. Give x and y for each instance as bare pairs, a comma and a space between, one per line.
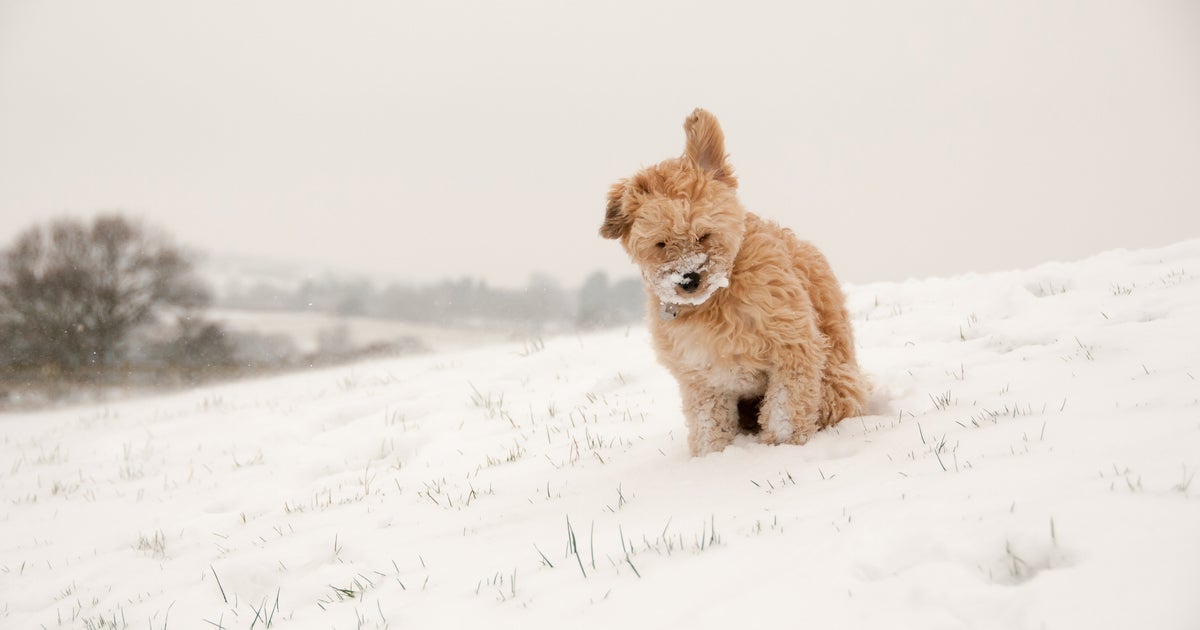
1029, 464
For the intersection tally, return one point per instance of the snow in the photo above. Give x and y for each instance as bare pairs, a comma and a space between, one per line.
667, 277
1029, 464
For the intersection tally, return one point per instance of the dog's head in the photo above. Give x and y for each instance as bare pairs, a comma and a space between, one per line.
680, 220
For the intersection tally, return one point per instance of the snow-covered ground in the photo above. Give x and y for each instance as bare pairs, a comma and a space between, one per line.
1029, 464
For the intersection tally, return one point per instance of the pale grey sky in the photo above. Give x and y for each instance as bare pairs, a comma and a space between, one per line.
438, 139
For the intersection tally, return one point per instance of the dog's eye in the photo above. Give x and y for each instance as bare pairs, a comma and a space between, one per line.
660, 244
704, 237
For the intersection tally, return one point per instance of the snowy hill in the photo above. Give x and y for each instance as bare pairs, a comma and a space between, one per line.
1030, 464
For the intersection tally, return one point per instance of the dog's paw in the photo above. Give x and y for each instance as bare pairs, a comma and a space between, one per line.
779, 430
843, 399
705, 442
800, 436
787, 425
783, 428
712, 446
794, 435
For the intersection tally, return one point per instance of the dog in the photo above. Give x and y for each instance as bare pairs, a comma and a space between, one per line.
748, 318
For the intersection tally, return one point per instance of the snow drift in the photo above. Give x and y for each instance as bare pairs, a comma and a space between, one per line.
1029, 464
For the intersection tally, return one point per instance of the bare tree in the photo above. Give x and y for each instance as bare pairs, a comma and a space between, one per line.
197, 344
70, 293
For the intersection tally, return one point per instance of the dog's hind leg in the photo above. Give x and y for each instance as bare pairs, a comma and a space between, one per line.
845, 394
845, 387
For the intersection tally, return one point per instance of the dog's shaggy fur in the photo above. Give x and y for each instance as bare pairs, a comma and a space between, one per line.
749, 319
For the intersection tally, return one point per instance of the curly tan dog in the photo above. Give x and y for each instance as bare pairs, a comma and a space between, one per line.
749, 319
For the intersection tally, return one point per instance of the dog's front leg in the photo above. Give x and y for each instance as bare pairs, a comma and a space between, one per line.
711, 417
789, 412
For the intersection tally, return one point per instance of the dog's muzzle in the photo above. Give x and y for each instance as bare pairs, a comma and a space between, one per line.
690, 282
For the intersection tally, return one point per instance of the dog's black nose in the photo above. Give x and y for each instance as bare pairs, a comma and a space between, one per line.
691, 282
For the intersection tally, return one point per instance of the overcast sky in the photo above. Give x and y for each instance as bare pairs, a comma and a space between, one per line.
441, 139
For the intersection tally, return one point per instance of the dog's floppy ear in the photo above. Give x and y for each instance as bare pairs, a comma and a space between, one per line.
616, 221
706, 145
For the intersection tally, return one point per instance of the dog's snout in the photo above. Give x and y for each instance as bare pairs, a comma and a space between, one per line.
691, 282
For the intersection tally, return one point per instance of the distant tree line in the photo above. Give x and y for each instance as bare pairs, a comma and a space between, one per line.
88, 297
541, 304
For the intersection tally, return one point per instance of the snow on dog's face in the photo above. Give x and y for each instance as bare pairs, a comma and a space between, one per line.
680, 220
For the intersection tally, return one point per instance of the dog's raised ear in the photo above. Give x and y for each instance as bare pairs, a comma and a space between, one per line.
706, 145
616, 220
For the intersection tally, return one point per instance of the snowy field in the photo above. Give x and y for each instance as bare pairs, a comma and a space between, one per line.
1031, 463
305, 329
